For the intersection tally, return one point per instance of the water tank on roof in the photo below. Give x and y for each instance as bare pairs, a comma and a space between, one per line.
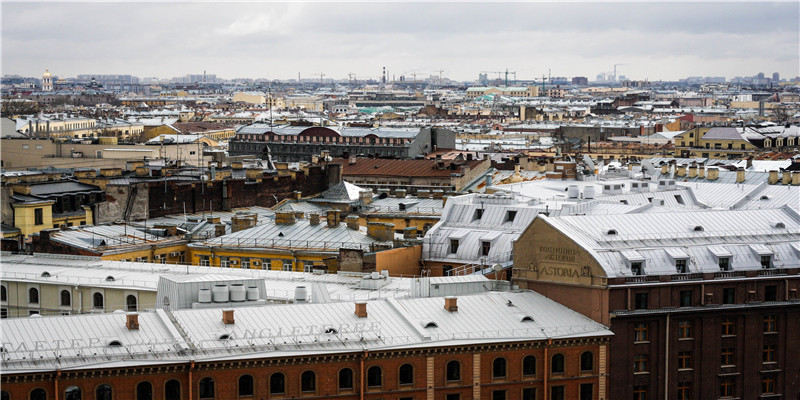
300, 294
252, 293
220, 293
204, 296
573, 191
588, 192
375, 275
238, 293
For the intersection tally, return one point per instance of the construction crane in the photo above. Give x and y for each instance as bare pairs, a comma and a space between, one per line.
515, 76
352, 77
321, 75
499, 74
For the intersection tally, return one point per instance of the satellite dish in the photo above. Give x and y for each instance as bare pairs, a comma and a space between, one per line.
588, 161
648, 167
497, 267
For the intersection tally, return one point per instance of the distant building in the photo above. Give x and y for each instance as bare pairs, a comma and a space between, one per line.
580, 81
47, 81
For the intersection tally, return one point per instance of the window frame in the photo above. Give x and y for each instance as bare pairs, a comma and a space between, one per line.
203, 386
685, 329
499, 368
457, 371
239, 386
273, 383
339, 377
306, 385
529, 366
641, 332
371, 383
561, 364
685, 360
640, 364
583, 361
728, 327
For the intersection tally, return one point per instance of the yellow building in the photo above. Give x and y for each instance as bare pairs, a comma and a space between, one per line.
719, 143
58, 126
513, 91
258, 98
42, 205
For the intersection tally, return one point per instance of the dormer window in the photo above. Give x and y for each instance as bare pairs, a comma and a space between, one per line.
724, 263
453, 245
766, 261
510, 215
680, 266
485, 247
478, 214
636, 268
611, 232
698, 228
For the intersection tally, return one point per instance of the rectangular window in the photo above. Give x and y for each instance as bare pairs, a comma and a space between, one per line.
453, 246
246, 263
498, 395
771, 293
640, 363
224, 262
728, 295
587, 391
727, 357
636, 268
728, 328
684, 360
557, 393
684, 390
478, 214
725, 263
453, 396
38, 216
485, 247
766, 261
640, 333
768, 384
686, 298
679, 199
287, 265
204, 261
640, 393
640, 301
510, 215
770, 324
768, 354
684, 329
680, 266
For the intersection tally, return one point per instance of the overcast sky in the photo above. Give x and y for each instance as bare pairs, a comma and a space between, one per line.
279, 40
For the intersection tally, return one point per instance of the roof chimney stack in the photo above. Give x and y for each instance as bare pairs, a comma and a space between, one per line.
227, 316
451, 303
740, 175
132, 321
361, 310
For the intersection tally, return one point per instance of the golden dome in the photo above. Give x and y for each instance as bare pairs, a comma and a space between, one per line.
47, 73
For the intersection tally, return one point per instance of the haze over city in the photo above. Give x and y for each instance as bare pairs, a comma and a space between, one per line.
654, 41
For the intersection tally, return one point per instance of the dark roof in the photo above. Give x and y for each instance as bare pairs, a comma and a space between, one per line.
199, 127
63, 187
723, 134
404, 168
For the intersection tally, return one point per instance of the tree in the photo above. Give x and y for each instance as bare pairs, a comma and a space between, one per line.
15, 107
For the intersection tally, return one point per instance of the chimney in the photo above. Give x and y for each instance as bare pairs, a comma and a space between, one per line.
713, 173
132, 321
284, 218
365, 196
297, 195
400, 193
352, 160
219, 230
352, 222
664, 169
681, 170
361, 310
773, 177
701, 171
381, 231
787, 177
313, 218
410, 232
423, 194
693, 170
795, 178
227, 316
451, 303
740, 175
333, 218
438, 193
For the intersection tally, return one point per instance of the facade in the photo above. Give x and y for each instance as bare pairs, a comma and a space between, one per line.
47, 81
434, 175
495, 345
530, 91
724, 143
298, 143
701, 303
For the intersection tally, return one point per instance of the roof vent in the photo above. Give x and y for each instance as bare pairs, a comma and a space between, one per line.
429, 324
45, 274
331, 330
110, 279
765, 197
778, 225
698, 228
611, 232
224, 336
526, 318
114, 343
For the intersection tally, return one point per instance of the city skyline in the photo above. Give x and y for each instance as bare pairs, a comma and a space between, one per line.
654, 41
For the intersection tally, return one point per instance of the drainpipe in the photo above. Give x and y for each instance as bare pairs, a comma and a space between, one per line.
546, 371
361, 386
191, 385
80, 300
666, 359
58, 375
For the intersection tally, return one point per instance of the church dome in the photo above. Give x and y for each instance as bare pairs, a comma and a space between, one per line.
47, 74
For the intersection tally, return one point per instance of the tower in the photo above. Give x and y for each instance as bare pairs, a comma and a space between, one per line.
47, 81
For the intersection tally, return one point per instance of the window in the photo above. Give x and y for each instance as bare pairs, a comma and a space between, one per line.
686, 298
3, 294
33, 295
587, 391
97, 300
308, 381
684, 390
728, 295
679, 199
640, 301
499, 368
103, 392
639, 363
72, 393
277, 383
130, 302
728, 328
684, 329
478, 214
766, 261
38, 216
287, 265
770, 324
529, 365
346, 379
587, 361
38, 394
727, 387
768, 384
727, 357
453, 245
374, 376
144, 391
680, 266
172, 390
3, 313
684, 360
406, 374
725, 263
527, 394
204, 261
557, 364
768, 354
640, 393
453, 371
510, 215
498, 395
206, 388
557, 393
640, 332
245, 385
771, 293
485, 247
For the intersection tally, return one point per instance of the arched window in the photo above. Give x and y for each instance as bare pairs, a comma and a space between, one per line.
346, 379
557, 364
374, 376
38, 394
103, 392
144, 391
206, 388
308, 381
66, 299
130, 302
33, 295
3, 294
172, 390
277, 383
72, 393
453, 371
97, 300
406, 375
529, 365
499, 368
245, 385
587, 361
